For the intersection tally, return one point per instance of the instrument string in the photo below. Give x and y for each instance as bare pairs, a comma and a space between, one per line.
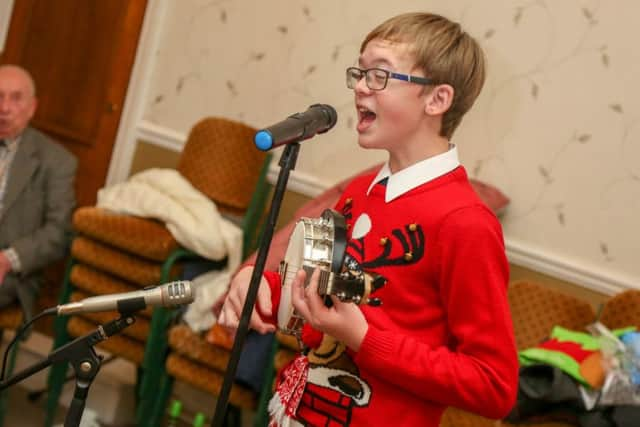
323, 282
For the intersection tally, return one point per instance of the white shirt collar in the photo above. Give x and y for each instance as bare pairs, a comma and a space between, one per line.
417, 174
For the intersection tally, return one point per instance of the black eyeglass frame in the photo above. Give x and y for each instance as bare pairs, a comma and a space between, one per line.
389, 74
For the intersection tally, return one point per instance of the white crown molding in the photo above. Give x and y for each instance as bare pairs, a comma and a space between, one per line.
604, 282
161, 136
300, 182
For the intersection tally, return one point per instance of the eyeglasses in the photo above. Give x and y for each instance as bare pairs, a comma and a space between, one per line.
376, 78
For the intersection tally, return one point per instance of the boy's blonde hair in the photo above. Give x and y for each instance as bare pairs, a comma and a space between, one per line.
444, 52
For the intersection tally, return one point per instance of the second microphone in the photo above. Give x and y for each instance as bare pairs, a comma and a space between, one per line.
167, 295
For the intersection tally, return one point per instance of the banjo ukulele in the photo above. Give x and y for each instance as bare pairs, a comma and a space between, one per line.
321, 243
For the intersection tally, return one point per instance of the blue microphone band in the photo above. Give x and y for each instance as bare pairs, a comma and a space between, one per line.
263, 140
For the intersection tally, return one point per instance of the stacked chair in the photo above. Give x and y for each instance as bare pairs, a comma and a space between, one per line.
201, 361
113, 253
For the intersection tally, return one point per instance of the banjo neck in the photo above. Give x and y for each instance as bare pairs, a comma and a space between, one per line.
347, 286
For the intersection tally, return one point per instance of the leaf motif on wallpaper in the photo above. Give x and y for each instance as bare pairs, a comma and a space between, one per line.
544, 172
310, 70
223, 16
306, 12
282, 29
517, 16
604, 249
616, 107
477, 168
489, 33
335, 54
534, 90
585, 137
158, 99
349, 122
560, 215
257, 56
232, 88
179, 84
604, 57
589, 15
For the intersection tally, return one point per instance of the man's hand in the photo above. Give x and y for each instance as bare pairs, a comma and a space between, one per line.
344, 321
5, 267
234, 302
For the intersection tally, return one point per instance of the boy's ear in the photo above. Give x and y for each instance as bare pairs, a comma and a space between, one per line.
439, 100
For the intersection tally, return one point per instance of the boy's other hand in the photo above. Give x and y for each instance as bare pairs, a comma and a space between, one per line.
234, 302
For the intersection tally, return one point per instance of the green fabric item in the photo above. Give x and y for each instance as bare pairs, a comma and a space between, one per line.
563, 361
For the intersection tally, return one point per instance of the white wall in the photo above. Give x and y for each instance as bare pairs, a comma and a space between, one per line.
6, 6
556, 127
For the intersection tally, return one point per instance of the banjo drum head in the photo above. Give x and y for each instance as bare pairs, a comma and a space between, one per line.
311, 244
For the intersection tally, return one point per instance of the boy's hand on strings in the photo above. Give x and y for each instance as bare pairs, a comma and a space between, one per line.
344, 320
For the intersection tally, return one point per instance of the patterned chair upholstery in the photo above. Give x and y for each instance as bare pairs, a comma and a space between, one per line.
115, 253
621, 310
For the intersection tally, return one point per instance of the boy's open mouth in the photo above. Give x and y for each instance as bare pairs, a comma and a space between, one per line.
365, 118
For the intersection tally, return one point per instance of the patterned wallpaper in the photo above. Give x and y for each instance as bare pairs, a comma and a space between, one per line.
557, 126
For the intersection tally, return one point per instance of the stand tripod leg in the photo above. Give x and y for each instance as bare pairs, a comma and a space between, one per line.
76, 407
82, 356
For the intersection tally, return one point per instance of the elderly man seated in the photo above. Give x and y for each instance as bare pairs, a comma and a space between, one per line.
36, 193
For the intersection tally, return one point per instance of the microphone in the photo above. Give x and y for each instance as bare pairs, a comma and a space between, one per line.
318, 118
167, 295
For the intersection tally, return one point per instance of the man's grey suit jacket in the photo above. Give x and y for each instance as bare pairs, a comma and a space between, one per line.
37, 206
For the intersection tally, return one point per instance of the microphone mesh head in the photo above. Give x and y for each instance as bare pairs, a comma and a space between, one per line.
332, 116
180, 292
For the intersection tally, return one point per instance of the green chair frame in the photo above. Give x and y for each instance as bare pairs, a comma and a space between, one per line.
151, 373
251, 238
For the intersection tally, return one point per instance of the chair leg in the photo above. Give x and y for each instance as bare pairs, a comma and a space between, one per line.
58, 372
262, 412
138, 385
9, 371
156, 349
153, 365
233, 417
154, 416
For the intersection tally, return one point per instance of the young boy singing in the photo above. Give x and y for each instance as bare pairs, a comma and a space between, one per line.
442, 335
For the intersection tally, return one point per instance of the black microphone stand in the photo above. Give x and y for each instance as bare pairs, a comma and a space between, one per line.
287, 164
84, 360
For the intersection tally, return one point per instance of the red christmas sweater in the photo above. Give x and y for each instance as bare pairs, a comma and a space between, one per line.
443, 334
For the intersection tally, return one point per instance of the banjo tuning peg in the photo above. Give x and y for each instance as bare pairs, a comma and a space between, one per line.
374, 302
377, 281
